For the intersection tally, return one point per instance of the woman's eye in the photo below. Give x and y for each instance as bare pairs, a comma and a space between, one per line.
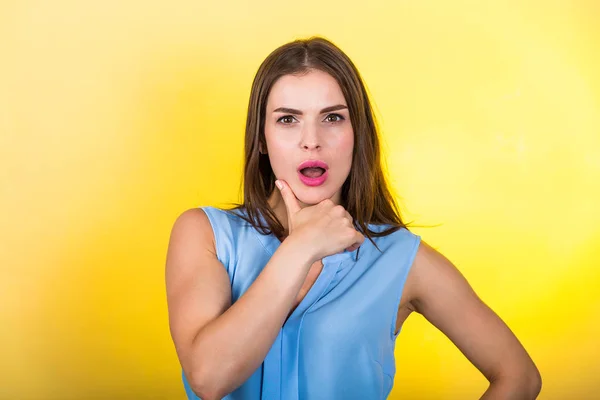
334, 118
286, 119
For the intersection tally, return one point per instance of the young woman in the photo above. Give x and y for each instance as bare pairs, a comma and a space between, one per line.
300, 292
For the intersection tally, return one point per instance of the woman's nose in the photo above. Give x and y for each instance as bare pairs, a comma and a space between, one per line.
310, 139
311, 146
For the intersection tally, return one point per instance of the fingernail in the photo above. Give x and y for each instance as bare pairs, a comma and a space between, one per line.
279, 185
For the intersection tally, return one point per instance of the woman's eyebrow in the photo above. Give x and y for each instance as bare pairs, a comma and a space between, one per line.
298, 112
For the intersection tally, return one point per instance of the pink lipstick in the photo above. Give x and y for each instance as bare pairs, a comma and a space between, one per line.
313, 172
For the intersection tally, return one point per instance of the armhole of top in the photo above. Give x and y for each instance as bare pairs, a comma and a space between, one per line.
406, 269
213, 224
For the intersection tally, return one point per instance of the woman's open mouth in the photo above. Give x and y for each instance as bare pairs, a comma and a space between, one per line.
313, 172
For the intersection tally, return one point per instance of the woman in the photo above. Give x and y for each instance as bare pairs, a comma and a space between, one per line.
282, 297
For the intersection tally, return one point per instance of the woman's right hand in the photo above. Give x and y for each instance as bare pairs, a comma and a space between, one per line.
326, 228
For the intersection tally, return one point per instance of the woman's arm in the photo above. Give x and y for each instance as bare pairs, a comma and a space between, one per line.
439, 292
220, 345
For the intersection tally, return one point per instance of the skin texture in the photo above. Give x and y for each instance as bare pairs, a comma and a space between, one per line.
212, 336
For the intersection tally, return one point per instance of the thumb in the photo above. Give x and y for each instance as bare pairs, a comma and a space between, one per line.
289, 198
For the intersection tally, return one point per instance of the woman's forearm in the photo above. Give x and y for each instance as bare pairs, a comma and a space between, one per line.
230, 348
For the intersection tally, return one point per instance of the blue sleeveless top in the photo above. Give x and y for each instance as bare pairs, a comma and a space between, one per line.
339, 342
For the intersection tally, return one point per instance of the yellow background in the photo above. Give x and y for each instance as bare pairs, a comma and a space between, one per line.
117, 116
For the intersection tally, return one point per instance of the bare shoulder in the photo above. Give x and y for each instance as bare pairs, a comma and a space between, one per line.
191, 250
197, 284
192, 225
426, 261
431, 271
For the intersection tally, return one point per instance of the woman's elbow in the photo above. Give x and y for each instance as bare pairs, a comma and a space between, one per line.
205, 387
534, 383
525, 385
206, 379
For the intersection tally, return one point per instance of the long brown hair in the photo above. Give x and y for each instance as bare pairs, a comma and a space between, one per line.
365, 193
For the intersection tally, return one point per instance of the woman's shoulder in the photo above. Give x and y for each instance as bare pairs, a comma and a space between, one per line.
222, 211
393, 232
224, 215
227, 222
191, 230
395, 239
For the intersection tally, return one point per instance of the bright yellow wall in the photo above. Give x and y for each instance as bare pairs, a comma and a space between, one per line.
116, 116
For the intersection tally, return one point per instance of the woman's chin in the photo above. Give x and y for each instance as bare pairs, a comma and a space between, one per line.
312, 196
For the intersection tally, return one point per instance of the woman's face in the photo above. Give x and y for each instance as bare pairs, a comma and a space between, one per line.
307, 119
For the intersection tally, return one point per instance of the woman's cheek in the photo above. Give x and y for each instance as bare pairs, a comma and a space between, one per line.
280, 164
346, 145
346, 148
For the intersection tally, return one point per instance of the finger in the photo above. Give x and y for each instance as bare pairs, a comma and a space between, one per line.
349, 217
359, 239
353, 247
289, 198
